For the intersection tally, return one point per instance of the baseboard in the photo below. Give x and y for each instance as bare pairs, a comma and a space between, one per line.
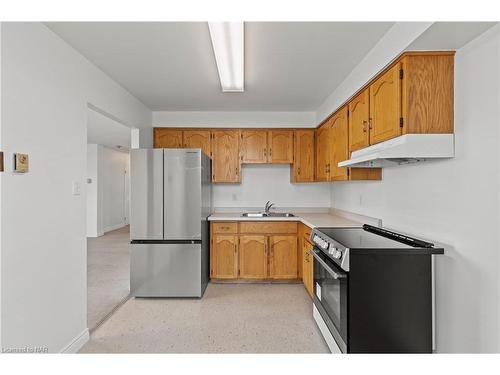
114, 227
77, 343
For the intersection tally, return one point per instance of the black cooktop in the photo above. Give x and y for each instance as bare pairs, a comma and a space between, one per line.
370, 237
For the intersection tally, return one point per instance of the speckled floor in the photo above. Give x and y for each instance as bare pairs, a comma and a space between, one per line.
230, 318
108, 273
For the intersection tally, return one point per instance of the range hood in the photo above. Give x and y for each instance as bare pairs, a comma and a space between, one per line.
408, 148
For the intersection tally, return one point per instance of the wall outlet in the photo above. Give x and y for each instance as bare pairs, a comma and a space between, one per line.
360, 199
234, 197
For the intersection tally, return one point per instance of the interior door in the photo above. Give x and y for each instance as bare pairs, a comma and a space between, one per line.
385, 106
182, 195
146, 203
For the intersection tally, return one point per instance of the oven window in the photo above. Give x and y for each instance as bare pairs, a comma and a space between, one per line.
332, 293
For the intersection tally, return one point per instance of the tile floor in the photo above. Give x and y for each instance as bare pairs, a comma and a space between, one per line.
230, 318
108, 273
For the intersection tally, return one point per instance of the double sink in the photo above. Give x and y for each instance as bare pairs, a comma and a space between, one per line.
267, 214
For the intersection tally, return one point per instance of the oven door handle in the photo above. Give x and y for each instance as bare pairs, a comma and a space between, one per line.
329, 269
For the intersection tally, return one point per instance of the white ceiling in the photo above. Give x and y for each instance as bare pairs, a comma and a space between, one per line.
105, 131
289, 66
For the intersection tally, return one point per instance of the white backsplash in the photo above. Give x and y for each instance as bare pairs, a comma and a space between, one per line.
261, 183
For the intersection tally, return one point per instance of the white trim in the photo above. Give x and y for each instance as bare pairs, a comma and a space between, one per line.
327, 335
114, 227
77, 343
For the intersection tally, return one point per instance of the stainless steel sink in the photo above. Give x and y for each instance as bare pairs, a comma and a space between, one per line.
267, 214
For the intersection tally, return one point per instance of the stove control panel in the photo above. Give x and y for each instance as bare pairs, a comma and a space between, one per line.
321, 243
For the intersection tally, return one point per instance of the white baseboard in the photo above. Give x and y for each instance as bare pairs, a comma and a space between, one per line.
114, 227
77, 343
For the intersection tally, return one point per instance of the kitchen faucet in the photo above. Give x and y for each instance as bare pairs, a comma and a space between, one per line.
268, 206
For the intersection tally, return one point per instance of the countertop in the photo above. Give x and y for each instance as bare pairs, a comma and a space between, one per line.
311, 219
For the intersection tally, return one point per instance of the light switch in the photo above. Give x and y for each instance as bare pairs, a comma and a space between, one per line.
77, 188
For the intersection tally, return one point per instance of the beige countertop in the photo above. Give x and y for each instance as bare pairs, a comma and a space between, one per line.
311, 219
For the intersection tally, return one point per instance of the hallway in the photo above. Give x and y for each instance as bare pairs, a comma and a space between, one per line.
108, 262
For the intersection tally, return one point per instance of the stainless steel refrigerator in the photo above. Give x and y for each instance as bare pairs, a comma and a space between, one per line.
171, 199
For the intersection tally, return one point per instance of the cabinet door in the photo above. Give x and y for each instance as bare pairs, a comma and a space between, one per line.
359, 116
197, 139
253, 147
385, 106
280, 143
283, 257
340, 147
225, 156
303, 160
307, 270
253, 257
323, 152
167, 138
225, 257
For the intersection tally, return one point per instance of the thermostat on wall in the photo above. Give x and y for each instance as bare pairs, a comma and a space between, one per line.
21, 163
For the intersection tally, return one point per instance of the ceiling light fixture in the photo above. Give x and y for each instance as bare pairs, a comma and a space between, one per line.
228, 44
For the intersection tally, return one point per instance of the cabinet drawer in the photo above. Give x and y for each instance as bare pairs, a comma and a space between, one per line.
225, 227
268, 228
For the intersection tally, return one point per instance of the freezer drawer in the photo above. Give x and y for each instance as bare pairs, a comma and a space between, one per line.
166, 270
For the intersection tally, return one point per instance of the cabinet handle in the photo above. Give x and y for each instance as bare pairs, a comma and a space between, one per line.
370, 123
364, 126
270, 152
298, 170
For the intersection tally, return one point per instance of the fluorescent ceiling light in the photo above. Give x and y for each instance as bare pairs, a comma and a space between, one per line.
228, 45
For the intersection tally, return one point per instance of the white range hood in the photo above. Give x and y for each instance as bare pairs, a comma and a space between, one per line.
408, 148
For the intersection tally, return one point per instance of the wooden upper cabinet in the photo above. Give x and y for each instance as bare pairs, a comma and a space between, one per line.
323, 147
253, 148
253, 257
427, 92
340, 151
167, 138
283, 257
197, 139
303, 163
280, 145
225, 257
225, 156
359, 116
385, 106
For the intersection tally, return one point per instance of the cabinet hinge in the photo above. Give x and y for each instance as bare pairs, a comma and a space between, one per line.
401, 74
400, 122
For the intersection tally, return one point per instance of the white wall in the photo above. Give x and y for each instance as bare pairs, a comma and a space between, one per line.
455, 202
399, 36
115, 187
234, 119
45, 92
94, 194
261, 183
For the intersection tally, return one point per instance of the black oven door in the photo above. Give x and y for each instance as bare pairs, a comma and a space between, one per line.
330, 296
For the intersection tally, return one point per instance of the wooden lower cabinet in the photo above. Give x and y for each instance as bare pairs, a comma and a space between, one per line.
224, 256
283, 257
307, 266
253, 257
254, 251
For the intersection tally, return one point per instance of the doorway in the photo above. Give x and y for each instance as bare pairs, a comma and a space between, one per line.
108, 238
